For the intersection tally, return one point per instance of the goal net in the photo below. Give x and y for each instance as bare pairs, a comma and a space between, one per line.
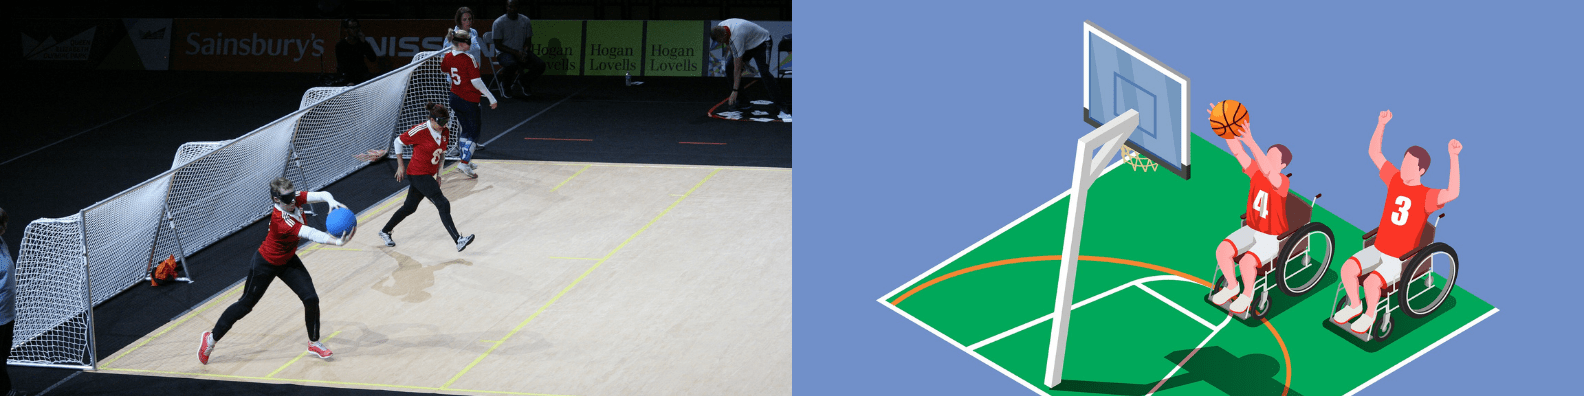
66, 266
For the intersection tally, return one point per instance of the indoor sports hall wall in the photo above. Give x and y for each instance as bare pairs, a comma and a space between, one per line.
568, 47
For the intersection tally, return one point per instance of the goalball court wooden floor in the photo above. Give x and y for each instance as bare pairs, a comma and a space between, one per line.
585, 279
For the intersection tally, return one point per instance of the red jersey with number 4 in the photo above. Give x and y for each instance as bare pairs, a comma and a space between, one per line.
280, 244
460, 70
1403, 219
1267, 204
428, 150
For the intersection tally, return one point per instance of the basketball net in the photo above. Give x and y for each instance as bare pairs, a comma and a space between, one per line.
1138, 161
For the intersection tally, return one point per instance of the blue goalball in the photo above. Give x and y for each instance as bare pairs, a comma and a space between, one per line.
340, 221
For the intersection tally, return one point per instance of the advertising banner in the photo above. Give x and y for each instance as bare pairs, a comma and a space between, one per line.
613, 48
79, 44
719, 60
287, 45
560, 45
674, 48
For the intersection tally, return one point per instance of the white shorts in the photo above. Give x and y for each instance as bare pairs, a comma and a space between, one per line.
1372, 260
1263, 246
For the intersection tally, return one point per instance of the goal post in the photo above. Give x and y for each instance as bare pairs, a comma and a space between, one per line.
1087, 166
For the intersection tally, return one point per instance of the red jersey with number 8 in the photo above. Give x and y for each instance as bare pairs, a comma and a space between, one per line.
1403, 219
460, 70
1267, 204
428, 150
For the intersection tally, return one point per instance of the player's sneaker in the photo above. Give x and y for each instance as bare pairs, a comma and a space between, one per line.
205, 346
1224, 295
386, 236
1241, 304
320, 350
1348, 313
462, 243
467, 170
1363, 324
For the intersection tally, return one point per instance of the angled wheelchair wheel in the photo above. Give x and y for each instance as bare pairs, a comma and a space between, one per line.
1305, 256
1383, 325
1261, 305
1428, 280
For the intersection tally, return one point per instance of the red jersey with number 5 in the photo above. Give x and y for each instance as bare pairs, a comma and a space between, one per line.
460, 70
280, 244
1267, 204
1403, 219
428, 149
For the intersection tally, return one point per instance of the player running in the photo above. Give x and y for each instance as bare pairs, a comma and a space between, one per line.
1408, 205
1264, 219
466, 88
429, 144
277, 257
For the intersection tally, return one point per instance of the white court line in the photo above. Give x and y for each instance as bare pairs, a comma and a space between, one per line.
959, 346
976, 245
1217, 329
96, 127
1180, 308
1135, 282
1422, 351
530, 118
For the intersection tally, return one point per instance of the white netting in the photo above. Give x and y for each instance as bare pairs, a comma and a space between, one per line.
428, 84
51, 295
190, 150
212, 190
316, 94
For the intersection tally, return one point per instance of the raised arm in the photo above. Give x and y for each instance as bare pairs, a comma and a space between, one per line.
1375, 141
1233, 144
1451, 192
1267, 169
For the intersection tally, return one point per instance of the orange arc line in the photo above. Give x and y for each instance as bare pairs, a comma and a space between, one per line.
931, 282
1287, 385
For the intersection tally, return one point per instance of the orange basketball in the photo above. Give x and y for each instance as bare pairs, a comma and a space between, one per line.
1227, 117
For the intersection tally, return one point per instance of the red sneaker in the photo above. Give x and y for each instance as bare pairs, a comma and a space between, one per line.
205, 346
319, 350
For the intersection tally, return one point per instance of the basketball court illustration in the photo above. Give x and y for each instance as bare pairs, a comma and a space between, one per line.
1103, 289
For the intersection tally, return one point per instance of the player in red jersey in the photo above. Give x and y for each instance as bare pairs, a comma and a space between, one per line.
277, 257
1265, 217
1408, 205
466, 88
429, 144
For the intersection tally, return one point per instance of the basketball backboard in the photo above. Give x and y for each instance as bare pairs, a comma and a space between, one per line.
1119, 77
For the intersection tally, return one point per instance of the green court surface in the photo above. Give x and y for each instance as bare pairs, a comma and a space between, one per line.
1140, 323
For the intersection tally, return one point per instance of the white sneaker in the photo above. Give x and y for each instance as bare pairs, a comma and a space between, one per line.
1348, 313
462, 243
387, 238
474, 165
467, 170
1363, 324
1241, 304
1226, 294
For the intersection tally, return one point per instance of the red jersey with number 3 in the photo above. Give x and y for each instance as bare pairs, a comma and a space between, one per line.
460, 70
1403, 219
1267, 204
280, 244
428, 150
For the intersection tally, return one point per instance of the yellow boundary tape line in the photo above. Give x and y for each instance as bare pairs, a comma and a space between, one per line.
299, 357
578, 280
569, 178
362, 384
105, 365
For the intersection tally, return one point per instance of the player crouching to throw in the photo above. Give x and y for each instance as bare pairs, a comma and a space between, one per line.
1265, 218
277, 258
1408, 205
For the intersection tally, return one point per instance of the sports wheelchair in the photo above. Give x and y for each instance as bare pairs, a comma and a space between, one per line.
1306, 250
1418, 267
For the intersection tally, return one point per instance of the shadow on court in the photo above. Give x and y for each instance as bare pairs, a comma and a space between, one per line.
1254, 374
1403, 325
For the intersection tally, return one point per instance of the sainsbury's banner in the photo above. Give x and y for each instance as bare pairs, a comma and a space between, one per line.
289, 45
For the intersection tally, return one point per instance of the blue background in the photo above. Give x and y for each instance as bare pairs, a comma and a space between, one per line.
926, 126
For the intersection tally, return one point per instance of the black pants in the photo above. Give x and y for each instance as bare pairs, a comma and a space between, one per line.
260, 274
761, 57
423, 186
511, 64
5, 344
